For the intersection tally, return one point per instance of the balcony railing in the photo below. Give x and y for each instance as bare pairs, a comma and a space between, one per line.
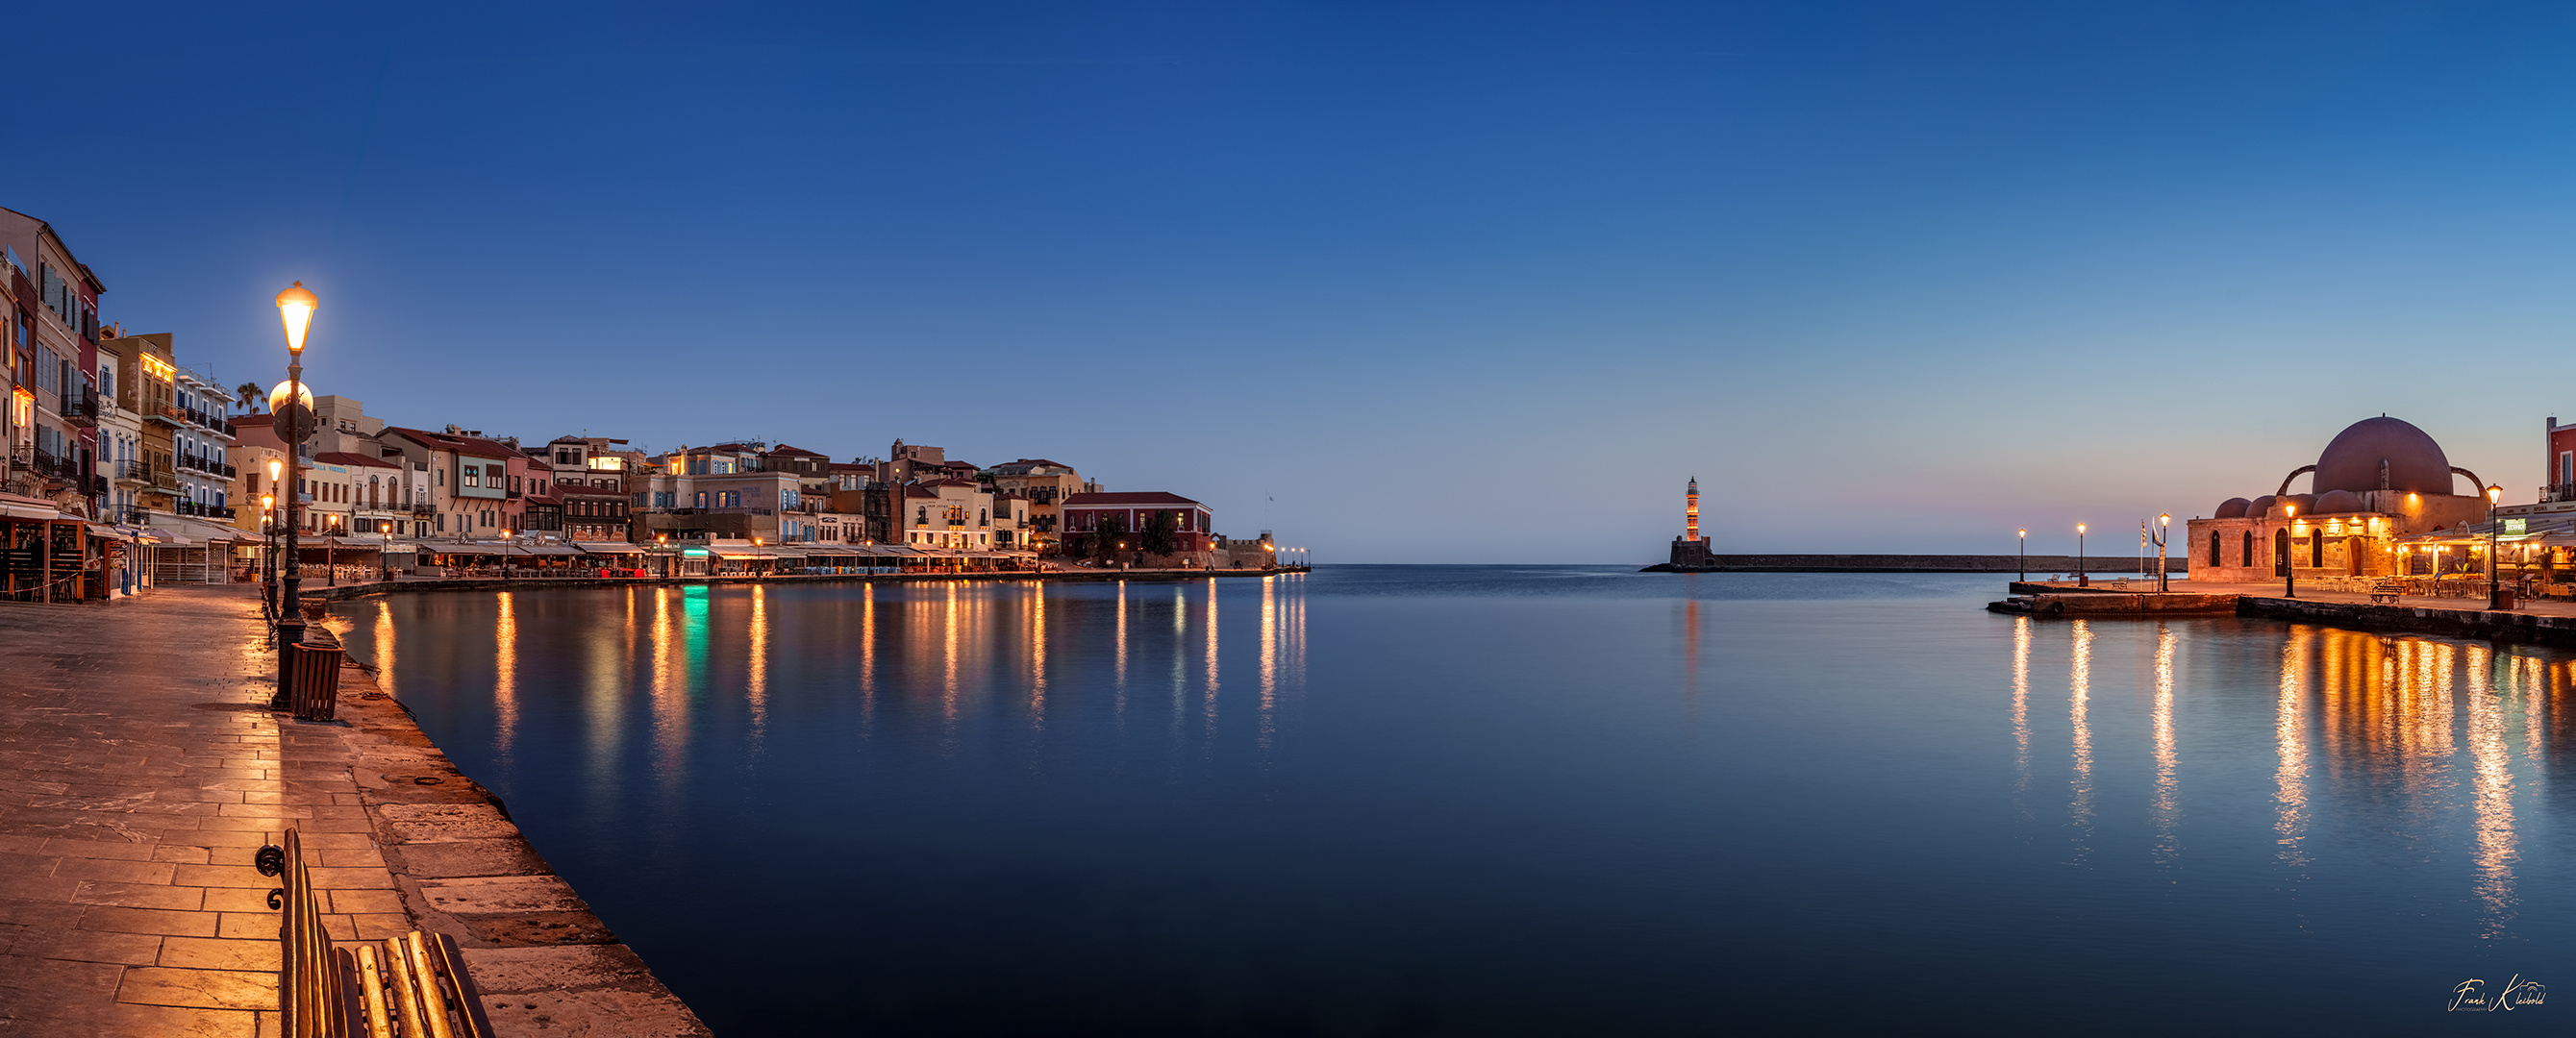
165, 412
2558, 492
131, 515
80, 406
205, 511
512, 495
424, 511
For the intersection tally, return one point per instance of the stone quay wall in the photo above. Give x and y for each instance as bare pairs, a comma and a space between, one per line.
2512, 627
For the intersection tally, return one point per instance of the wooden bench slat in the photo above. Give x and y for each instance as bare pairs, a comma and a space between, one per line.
371, 990
469, 999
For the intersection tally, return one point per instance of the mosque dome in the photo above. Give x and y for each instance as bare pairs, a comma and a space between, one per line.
2339, 502
2352, 460
2259, 507
2232, 508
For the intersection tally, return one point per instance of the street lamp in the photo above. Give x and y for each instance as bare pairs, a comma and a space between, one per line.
2289, 556
2495, 587
2164, 525
331, 551
295, 312
505, 555
268, 554
2024, 534
2082, 579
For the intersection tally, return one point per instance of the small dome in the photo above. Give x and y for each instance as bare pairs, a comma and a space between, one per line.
2339, 502
2232, 508
2352, 460
2307, 503
2259, 507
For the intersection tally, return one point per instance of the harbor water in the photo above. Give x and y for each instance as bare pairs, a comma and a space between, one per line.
1419, 800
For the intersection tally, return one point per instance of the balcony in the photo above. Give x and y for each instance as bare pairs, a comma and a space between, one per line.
423, 511
2558, 492
192, 508
165, 413
511, 495
134, 471
130, 515
80, 406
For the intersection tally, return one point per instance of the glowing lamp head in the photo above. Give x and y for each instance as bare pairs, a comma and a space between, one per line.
295, 307
2166, 519
2079, 528
276, 468
2495, 494
267, 502
303, 396
2291, 511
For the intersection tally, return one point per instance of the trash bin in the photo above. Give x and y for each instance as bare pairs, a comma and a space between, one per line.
2504, 595
317, 681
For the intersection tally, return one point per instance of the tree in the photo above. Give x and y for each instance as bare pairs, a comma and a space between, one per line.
251, 396
1105, 536
1159, 537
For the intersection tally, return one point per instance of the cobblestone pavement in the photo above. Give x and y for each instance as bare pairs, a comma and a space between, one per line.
139, 770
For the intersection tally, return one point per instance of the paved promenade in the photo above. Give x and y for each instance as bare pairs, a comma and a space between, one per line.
140, 770
2315, 593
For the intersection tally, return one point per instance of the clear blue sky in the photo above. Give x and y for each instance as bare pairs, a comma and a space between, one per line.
1479, 282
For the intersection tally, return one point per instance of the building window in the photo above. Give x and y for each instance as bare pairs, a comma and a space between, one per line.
473, 476
2317, 548
2246, 557
2213, 549
2280, 553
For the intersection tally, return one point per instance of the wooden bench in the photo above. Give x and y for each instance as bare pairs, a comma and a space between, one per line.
2387, 590
413, 986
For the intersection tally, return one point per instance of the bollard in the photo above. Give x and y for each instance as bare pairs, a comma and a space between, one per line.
317, 682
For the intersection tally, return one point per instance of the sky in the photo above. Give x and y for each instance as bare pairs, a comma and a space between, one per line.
1479, 282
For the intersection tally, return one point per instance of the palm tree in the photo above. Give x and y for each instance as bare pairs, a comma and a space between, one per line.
250, 395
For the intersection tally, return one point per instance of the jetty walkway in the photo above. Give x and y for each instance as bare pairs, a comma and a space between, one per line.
139, 772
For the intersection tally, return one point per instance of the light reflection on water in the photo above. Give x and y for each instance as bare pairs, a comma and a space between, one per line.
1503, 810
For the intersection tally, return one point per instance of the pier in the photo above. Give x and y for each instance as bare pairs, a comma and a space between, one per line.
2542, 622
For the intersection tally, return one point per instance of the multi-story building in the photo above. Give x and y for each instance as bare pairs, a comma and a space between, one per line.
469, 478
1192, 522
590, 476
950, 514
201, 437
120, 434
54, 353
541, 512
724, 491
1043, 485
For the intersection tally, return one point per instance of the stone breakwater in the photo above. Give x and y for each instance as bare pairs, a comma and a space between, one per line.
2174, 564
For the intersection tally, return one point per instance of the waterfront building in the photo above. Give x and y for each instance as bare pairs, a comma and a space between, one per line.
469, 478
723, 491
55, 353
590, 477
1691, 548
2379, 480
1193, 522
1044, 485
120, 436
365, 492
952, 514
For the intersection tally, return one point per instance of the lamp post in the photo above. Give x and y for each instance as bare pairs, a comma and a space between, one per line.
2024, 534
331, 551
268, 555
2082, 579
2164, 525
2289, 557
295, 313
505, 555
2495, 586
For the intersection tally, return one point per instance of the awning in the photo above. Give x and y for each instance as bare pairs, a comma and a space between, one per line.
608, 548
461, 549
545, 549
32, 512
109, 533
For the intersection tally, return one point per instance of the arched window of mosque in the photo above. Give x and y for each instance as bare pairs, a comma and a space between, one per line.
2280, 553
2213, 548
2317, 550
2247, 559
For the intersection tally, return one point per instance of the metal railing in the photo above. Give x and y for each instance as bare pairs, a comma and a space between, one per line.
80, 405
2558, 492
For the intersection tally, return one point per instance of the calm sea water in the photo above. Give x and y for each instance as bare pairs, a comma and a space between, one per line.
1511, 800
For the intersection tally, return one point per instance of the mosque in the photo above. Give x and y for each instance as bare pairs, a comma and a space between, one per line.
2379, 481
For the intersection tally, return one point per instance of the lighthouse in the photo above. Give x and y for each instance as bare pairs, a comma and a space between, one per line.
1690, 550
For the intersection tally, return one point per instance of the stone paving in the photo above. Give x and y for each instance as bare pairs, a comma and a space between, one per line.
139, 772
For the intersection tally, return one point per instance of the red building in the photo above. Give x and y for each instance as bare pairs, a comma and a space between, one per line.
1193, 523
